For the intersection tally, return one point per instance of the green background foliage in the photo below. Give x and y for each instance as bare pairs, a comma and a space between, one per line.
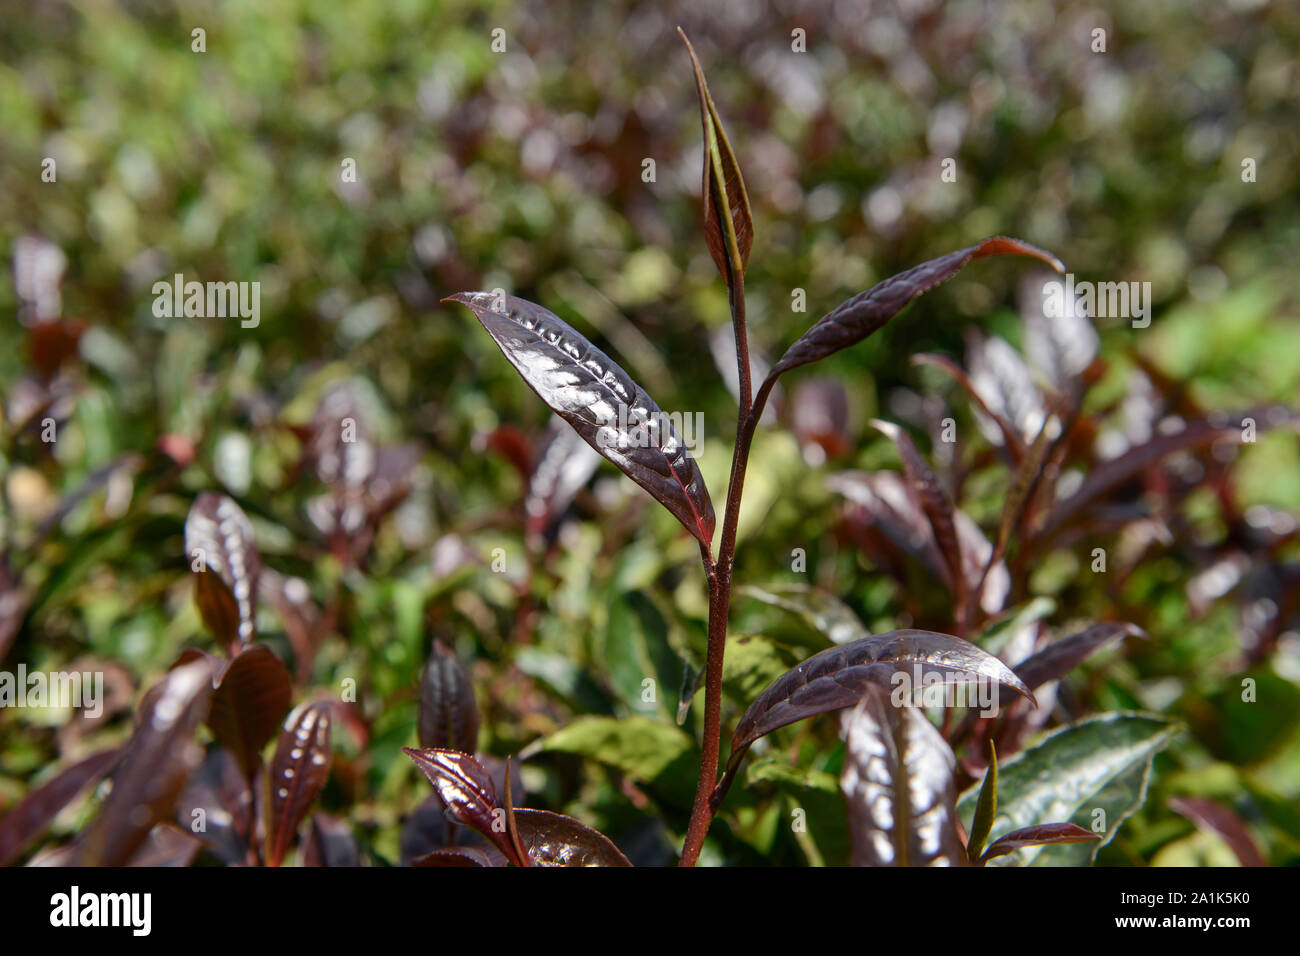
523, 170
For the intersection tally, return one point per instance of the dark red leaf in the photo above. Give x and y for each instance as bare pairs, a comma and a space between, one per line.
167, 845
728, 222
999, 374
456, 856
891, 504
1112, 473
339, 446
564, 466
898, 783
291, 599
819, 416
330, 842
22, 825
449, 717
888, 503
839, 676
1217, 818
252, 696
857, 318
1056, 660
1010, 437
1038, 836
468, 795
51, 343
1061, 347
552, 839
158, 759
219, 540
934, 502
514, 446
588, 390
298, 772
216, 805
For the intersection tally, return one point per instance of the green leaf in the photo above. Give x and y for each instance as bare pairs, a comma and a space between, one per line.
751, 663
642, 748
986, 809
1099, 763
821, 611
814, 811
636, 648
793, 779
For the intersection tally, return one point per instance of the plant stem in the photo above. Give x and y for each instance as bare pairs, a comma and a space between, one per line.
719, 609
736, 295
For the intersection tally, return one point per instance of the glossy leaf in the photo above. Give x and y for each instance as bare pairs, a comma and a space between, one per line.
449, 716
887, 502
606, 408
1108, 475
890, 504
1057, 659
728, 222
820, 610
468, 795
999, 374
297, 774
989, 590
291, 598
454, 856
898, 784
1041, 835
564, 466
219, 538
986, 809
860, 316
512, 826
159, 757
1100, 763
934, 501
24, 823
1060, 347
218, 797
839, 676
251, 698
217, 607
552, 839
340, 446
1008, 434
1017, 627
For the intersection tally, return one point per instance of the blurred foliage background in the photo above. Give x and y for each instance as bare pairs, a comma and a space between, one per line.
523, 170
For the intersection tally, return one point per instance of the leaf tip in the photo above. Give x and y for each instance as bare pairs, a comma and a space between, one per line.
888, 429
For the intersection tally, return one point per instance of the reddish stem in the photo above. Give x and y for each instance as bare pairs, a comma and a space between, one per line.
719, 607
